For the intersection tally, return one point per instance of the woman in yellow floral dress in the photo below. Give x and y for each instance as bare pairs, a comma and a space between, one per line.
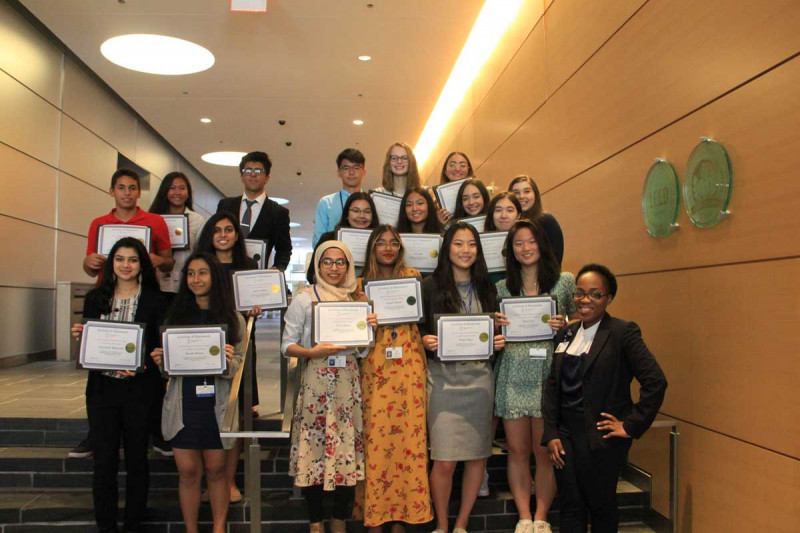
393, 393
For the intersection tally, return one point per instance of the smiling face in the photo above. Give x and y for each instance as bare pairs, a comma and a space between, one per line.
126, 264
524, 192
398, 159
457, 167
125, 192
224, 235
591, 311
505, 214
360, 214
416, 208
198, 277
526, 250
472, 200
463, 249
178, 193
333, 274
387, 248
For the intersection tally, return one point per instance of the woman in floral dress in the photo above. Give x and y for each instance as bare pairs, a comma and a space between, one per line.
395, 433
327, 453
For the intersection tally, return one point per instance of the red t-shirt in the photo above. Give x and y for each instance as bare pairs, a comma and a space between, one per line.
159, 233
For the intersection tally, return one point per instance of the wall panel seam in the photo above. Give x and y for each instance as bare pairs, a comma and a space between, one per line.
27, 288
12, 217
56, 168
714, 265
30, 89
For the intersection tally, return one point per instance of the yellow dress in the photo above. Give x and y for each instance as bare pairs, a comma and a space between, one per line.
395, 431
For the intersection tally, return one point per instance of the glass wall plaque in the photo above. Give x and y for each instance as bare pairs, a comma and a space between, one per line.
661, 199
708, 184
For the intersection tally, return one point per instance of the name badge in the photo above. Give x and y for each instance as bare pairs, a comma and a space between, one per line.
394, 353
538, 353
204, 391
562, 347
337, 361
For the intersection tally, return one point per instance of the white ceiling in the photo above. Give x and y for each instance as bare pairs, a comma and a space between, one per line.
297, 62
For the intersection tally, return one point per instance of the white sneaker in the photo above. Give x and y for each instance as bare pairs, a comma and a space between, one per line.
524, 526
484, 490
540, 526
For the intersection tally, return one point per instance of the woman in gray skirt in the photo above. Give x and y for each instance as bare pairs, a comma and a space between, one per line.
460, 393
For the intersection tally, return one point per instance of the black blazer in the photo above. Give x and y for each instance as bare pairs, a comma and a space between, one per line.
151, 311
271, 226
618, 354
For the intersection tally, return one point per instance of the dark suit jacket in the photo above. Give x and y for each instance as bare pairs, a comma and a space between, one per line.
618, 354
271, 226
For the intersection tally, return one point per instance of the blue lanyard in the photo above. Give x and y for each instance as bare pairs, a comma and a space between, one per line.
315, 292
341, 203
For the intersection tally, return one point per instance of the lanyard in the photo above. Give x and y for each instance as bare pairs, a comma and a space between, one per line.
463, 303
341, 203
315, 292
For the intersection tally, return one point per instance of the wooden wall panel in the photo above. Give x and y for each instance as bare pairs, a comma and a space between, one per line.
79, 204
29, 57
34, 267
17, 172
40, 136
28, 323
69, 258
85, 155
152, 154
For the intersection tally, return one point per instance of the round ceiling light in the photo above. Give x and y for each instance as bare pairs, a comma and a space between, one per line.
157, 54
226, 159
365, 58
205, 120
358, 122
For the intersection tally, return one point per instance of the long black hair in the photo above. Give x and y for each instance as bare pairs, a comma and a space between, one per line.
160, 204
221, 310
104, 293
548, 269
460, 212
511, 197
205, 243
449, 299
344, 223
432, 224
536, 210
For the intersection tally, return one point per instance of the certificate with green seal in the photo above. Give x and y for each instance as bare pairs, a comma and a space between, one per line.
111, 345
528, 316
465, 337
396, 300
343, 323
194, 350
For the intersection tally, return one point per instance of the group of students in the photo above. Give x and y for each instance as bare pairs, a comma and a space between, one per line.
363, 433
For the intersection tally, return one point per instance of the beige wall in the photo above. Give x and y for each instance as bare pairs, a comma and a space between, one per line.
584, 102
60, 133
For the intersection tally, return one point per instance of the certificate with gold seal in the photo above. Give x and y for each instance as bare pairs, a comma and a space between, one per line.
527, 317
178, 226
397, 300
465, 337
194, 350
265, 288
343, 323
422, 250
111, 345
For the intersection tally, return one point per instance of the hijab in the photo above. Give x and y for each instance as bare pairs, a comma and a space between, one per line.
324, 291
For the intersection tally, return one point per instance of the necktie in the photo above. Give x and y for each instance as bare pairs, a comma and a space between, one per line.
248, 214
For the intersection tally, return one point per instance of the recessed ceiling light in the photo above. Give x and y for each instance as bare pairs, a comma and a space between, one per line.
358, 122
279, 201
294, 224
157, 54
205, 120
227, 159
365, 58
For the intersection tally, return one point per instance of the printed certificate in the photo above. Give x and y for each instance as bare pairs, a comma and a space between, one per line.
396, 301
388, 207
447, 195
178, 226
422, 250
194, 350
257, 249
356, 241
265, 288
110, 345
479, 222
493, 244
528, 316
343, 323
465, 337
109, 234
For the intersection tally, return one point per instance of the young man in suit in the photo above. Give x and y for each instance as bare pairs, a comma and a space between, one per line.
350, 164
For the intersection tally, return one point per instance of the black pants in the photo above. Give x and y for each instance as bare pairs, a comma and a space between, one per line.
588, 481
120, 409
343, 499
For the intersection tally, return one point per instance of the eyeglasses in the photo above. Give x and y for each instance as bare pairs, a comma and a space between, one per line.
390, 244
328, 263
358, 212
253, 171
347, 169
593, 295
396, 158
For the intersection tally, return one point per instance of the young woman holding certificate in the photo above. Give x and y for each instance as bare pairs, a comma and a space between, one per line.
195, 406
473, 199
460, 393
418, 212
456, 167
327, 452
528, 195
393, 389
531, 270
120, 401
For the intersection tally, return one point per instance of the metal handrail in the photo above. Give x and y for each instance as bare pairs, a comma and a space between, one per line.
674, 475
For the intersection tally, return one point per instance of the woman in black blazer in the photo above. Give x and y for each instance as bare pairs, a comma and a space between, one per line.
589, 416
118, 403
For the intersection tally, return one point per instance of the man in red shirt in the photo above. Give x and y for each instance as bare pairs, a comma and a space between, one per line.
126, 191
